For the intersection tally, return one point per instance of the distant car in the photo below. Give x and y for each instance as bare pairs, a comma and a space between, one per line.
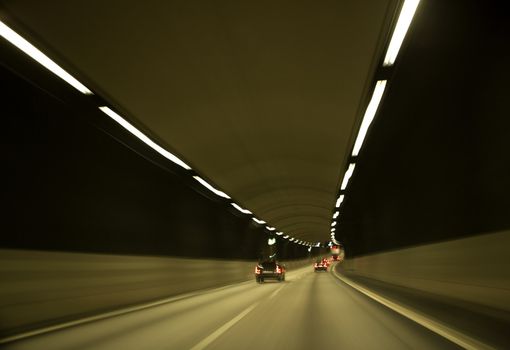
320, 266
269, 270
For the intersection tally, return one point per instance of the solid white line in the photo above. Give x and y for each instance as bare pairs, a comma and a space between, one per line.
114, 313
436, 327
213, 336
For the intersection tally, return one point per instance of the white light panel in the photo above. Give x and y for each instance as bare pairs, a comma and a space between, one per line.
369, 115
129, 127
29, 49
404, 21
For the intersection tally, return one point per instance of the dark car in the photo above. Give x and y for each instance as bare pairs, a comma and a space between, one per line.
269, 270
320, 266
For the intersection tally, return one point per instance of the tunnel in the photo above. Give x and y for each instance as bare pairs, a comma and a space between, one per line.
255, 175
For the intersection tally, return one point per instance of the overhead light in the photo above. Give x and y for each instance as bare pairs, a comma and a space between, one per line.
291, 239
18, 41
270, 228
335, 215
333, 223
242, 210
347, 176
286, 236
333, 229
211, 188
309, 249
260, 222
279, 233
399, 33
318, 244
339, 201
369, 115
271, 241
129, 127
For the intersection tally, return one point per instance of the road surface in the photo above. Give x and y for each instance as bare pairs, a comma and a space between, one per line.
308, 311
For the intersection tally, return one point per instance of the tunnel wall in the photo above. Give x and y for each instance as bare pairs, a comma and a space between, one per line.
74, 180
474, 269
41, 288
436, 163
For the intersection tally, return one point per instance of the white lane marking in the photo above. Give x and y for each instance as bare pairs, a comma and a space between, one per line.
452, 335
214, 335
115, 313
275, 292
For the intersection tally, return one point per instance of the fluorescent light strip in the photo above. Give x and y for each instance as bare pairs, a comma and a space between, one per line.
347, 176
279, 233
339, 201
260, 222
400, 31
270, 228
286, 236
212, 189
291, 239
129, 127
335, 215
333, 223
369, 115
333, 229
242, 210
18, 41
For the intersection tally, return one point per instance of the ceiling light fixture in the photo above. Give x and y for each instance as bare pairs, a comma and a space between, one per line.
279, 233
347, 176
369, 115
129, 127
22, 44
286, 236
333, 223
339, 201
270, 228
400, 31
260, 222
335, 215
211, 188
242, 210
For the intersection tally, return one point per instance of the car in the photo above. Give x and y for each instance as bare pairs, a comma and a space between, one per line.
320, 265
269, 270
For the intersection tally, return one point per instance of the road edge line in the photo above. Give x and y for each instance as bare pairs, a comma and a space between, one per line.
434, 326
110, 314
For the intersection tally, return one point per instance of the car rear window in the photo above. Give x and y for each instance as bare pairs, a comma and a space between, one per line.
269, 265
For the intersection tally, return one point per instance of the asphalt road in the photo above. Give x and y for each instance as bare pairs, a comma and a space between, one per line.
308, 311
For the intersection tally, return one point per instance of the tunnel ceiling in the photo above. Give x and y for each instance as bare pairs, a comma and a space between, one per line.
260, 98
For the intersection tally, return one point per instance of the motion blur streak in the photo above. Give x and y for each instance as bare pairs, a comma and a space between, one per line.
270, 325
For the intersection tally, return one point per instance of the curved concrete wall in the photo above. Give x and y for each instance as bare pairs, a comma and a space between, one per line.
40, 288
474, 269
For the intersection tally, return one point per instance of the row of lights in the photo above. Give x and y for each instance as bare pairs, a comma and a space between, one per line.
29, 49
404, 21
